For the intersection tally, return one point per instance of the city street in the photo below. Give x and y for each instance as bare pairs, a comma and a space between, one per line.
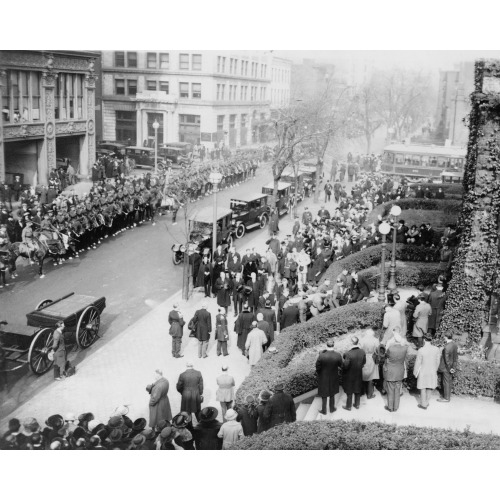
133, 270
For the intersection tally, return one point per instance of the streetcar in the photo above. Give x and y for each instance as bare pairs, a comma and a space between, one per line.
416, 160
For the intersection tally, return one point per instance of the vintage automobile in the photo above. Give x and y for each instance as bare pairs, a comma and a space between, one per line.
250, 211
175, 155
112, 147
142, 157
289, 175
200, 233
283, 203
309, 171
452, 177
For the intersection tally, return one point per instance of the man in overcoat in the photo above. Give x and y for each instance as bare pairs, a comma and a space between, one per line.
190, 386
203, 321
176, 322
394, 370
280, 408
221, 332
289, 315
255, 343
205, 433
448, 366
352, 378
437, 301
425, 370
223, 285
266, 328
328, 366
242, 326
159, 404
421, 316
360, 287
225, 390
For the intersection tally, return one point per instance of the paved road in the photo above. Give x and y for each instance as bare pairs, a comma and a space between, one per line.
133, 270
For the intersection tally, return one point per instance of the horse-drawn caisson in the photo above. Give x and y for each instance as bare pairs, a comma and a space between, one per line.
32, 346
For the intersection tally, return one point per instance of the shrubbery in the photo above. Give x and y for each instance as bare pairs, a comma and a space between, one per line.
407, 273
352, 435
451, 191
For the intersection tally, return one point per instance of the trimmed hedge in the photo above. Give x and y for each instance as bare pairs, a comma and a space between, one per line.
352, 435
448, 207
274, 368
371, 256
449, 190
407, 273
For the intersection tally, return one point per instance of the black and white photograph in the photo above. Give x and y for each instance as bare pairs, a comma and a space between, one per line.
210, 248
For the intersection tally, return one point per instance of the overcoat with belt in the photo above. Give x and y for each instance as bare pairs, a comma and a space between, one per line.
328, 365
352, 375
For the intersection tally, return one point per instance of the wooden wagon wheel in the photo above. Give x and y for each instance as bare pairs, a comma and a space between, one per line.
43, 303
88, 327
39, 350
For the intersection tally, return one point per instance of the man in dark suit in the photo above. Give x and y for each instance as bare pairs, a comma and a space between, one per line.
360, 287
176, 322
269, 315
394, 369
352, 382
448, 366
203, 321
266, 328
328, 365
274, 244
242, 327
280, 408
190, 386
289, 315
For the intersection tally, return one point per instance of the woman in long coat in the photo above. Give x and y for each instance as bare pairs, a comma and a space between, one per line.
369, 344
159, 404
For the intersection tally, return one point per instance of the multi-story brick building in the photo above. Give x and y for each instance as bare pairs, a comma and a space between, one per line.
195, 96
48, 112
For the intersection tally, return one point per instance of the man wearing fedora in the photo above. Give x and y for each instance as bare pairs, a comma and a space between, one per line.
280, 408
352, 374
159, 404
262, 422
242, 327
206, 432
328, 366
225, 390
448, 366
203, 320
176, 322
190, 386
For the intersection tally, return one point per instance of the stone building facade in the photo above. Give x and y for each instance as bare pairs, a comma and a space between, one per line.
48, 112
195, 96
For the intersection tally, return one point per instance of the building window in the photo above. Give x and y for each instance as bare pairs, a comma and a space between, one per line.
241, 92
184, 90
223, 65
164, 60
220, 123
196, 58
120, 59
196, 90
183, 61
151, 85
132, 87
222, 92
151, 60
231, 66
119, 87
190, 119
132, 59
126, 126
164, 87
189, 128
232, 121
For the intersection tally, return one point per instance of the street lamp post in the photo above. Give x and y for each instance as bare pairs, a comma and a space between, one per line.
384, 229
395, 212
215, 179
156, 126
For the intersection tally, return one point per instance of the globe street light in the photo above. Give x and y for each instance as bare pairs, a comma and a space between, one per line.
384, 229
395, 212
215, 179
156, 126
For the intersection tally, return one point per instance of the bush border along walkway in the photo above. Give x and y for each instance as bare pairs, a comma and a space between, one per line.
352, 435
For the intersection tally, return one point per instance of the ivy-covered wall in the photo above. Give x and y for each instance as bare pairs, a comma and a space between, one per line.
475, 270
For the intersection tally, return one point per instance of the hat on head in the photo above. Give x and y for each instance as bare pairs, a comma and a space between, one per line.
79, 432
180, 420
279, 387
55, 421
149, 434
139, 440
139, 424
231, 414
250, 399
116, 435
121, 410
162, 424
268, 303
30, 424
208, 414
167, 433
85, 417
115, 422
421, 296
265, 395
70, 417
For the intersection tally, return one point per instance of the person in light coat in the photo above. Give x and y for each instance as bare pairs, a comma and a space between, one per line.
225, 391
425, 370
369, 343
303, 260
392, 318
254, 345
421, 315
231, 431
400, 306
